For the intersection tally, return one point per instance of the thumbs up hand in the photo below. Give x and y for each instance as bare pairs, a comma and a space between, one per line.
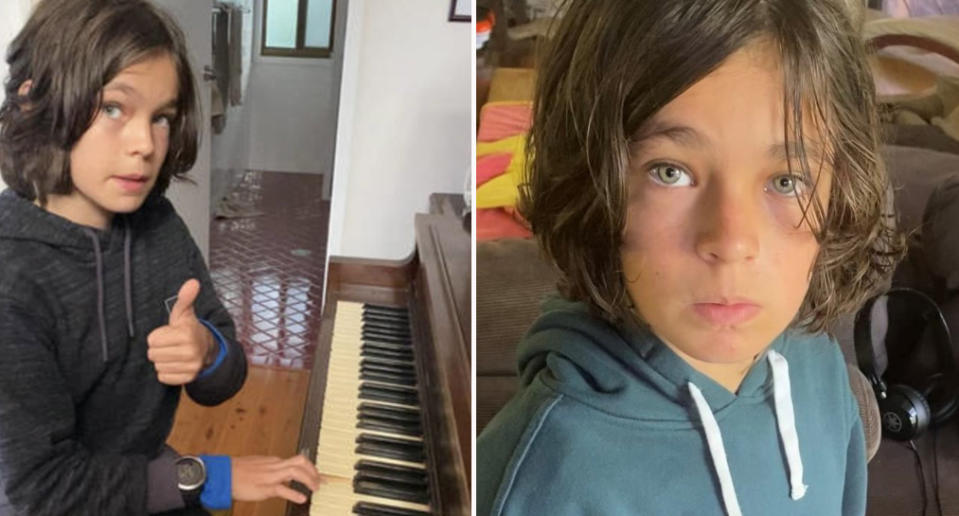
182, 348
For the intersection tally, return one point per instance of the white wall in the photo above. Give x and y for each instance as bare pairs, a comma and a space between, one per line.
292, 111
13, 14
192, 200
404, 123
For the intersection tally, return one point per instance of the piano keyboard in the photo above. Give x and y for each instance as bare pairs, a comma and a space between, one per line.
370, 447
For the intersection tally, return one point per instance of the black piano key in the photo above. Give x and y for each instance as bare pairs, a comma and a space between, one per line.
387, 393
399, 349
389, 346
387, 361
384, 337
376, 425
395, 469
375, 509
373, 366
389, 490
406, 446
390, 448
407, 375
398, 413
401, 310
388, 323
403, 336
386, 489
387, 378
379, 367
370, 376
396, 389
395, 318
390, 327
412, 482
396, 354
389, 426
381, 353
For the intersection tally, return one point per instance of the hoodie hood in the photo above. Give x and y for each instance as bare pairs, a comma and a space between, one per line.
633, 374
20, 219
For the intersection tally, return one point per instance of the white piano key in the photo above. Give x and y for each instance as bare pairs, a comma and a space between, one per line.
336, 455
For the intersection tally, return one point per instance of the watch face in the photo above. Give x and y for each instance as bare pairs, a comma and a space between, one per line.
189, 472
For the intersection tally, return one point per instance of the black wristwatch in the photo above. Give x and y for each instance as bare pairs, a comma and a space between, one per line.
190, 475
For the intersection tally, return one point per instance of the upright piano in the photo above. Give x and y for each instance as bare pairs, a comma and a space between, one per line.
387, 418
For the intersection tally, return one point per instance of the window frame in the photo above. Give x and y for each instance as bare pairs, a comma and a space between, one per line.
301, 49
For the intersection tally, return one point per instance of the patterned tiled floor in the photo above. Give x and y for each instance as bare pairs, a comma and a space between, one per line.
268, 269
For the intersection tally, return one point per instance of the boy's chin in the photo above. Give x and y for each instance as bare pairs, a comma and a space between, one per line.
729, 346
127, 205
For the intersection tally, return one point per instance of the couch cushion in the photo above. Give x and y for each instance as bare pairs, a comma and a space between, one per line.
915, 173
496, 391
940, 233
511, 279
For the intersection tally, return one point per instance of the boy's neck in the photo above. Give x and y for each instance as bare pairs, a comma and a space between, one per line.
729, 375
77, 209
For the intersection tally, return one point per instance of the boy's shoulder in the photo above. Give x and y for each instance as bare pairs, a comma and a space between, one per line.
158, 220
156, 210
803, 346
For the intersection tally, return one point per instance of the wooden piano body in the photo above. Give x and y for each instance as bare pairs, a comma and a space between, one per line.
434, 285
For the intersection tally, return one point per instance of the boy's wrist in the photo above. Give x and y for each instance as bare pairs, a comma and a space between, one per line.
218, 489
212, 349
217, 351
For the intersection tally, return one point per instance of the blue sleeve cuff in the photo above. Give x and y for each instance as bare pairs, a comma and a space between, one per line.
218, 490
221, 341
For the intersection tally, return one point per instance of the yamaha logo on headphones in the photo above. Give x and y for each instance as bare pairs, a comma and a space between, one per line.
892, 421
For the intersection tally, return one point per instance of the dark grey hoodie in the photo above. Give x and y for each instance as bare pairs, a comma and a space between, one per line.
83, 418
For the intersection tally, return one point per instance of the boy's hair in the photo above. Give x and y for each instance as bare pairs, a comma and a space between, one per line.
69, 50
610, 67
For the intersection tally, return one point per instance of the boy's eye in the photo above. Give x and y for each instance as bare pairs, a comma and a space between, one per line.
164, 120
112, 111
670, 175
790, 184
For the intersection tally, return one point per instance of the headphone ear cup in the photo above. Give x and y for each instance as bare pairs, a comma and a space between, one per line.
905, 413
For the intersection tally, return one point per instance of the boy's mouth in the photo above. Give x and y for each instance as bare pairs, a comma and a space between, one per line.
726, 312
132, 182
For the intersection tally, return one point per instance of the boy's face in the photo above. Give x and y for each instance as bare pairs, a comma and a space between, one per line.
115, 163
712, 255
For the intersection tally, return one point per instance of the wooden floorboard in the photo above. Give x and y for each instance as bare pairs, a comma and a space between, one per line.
262, 419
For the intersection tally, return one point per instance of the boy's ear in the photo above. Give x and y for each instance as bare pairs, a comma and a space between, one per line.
25, 88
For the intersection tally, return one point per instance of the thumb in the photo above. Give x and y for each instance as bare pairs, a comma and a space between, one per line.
184, 301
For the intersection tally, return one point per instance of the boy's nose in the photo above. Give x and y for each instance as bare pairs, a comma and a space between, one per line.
728, 226
140, 139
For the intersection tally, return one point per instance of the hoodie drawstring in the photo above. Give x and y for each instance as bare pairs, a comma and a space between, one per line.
128, 295
99, 259
786, 419
786, 423
714, 439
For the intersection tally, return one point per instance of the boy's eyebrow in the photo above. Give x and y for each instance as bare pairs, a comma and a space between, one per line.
690, 137
129, 90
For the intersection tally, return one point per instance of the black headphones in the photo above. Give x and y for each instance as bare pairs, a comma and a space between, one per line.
907, 408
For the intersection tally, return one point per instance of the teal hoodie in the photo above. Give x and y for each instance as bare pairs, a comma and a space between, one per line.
607, 421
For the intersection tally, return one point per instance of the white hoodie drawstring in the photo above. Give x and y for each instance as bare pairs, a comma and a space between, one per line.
785, 417
785, 420
714, 440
